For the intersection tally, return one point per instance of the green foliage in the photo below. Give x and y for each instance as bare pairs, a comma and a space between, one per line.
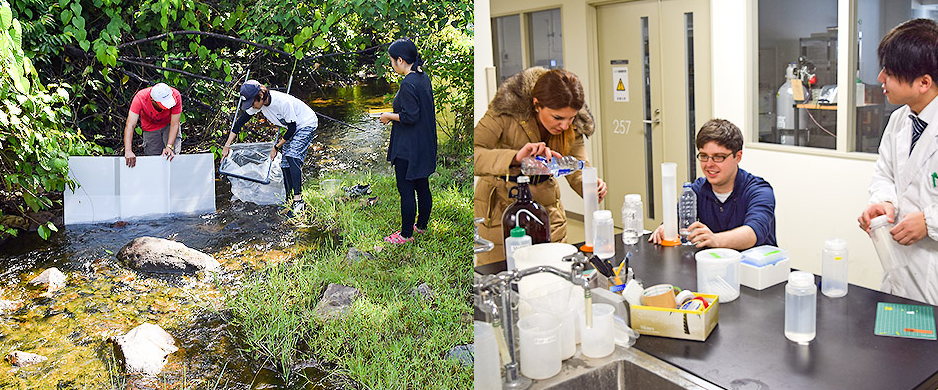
388, 339
34, 146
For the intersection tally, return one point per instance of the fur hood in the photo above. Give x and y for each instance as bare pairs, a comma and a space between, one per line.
514, 98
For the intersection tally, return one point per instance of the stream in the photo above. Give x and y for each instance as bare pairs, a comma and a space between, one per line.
103, 298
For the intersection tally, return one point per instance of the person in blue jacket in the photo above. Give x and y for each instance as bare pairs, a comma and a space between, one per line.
735, 209
412, 149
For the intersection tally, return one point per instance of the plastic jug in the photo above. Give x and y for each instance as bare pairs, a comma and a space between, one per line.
834, 268
800, 307
536, 222
603, 234
718, 273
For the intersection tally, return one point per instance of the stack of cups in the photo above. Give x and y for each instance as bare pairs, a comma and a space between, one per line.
486, 367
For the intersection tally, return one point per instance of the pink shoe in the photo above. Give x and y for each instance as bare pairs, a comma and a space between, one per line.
419, 230
396, 238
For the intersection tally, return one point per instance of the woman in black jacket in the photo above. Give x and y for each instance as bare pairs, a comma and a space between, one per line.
412, 149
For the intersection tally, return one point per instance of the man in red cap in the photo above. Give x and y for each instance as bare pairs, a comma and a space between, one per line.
159, 108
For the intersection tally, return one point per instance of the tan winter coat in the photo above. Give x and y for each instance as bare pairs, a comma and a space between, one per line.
507, 126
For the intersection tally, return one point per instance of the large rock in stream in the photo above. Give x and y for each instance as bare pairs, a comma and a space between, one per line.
145, 349
158, 255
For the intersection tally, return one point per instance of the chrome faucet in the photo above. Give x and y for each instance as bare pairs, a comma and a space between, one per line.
498, 288
481, 245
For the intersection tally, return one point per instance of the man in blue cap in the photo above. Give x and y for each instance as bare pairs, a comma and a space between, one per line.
286, 111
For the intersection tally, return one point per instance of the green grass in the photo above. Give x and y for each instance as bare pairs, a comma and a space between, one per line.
389, 339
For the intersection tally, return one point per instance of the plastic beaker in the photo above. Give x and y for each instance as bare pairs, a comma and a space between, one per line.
883, 242
539, 345
718, 273
598, 341
556, 299
604, 244
486, 366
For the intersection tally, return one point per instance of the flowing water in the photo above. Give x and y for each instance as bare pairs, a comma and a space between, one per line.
103, 298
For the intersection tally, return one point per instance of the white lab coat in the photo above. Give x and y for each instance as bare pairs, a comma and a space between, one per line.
910, 182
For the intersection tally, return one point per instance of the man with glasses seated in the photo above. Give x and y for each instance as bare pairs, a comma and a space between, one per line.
735, 209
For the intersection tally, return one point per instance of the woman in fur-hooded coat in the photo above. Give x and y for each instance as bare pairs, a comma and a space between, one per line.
514, 121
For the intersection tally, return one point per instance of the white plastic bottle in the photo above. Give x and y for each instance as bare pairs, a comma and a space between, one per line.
800, 307
632, 219
687, 213
517, 240
834, 268
604, 244
883, 242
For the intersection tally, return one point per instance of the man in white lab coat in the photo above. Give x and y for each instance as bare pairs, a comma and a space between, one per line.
905, 181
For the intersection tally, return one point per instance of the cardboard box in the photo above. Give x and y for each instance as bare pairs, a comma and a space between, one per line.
675, 323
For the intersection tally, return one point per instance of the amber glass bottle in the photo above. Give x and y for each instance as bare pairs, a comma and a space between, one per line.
539, 231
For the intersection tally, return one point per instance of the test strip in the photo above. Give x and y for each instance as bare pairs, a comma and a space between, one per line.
918, 331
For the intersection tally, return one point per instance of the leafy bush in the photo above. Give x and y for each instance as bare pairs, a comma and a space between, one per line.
34, 146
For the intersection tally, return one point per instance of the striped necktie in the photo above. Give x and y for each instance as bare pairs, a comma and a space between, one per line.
918, 127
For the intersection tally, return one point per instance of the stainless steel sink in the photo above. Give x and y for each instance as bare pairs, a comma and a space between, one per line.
626, 368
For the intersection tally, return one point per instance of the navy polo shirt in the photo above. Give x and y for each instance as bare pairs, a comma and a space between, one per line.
752, 203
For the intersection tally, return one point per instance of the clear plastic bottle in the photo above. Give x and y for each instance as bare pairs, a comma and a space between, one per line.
632, 219
800, 307
687, 213
834, 268
557, 167
604, 244
517, 240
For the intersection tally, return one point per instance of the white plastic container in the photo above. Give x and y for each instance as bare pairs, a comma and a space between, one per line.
834, 268
883, 242
486, 366
763, 267
669, 202
632, 219
598, 341
557, 299
800, 307
590, 202
539, 345
604, 244
718, 273
545, 254
517, 240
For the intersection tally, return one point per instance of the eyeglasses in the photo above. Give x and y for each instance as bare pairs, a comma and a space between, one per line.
716, 158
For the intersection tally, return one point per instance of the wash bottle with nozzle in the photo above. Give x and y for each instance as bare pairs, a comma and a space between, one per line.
517, 240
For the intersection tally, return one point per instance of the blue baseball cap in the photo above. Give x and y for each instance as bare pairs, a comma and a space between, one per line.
249, 91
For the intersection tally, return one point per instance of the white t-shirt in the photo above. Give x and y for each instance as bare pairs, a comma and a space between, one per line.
284, 109
722, 197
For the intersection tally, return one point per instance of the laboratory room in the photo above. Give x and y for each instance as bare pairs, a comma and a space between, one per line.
716, 194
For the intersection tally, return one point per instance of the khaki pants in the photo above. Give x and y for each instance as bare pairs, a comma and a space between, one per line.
155, 141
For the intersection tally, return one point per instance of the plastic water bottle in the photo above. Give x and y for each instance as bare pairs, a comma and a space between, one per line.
687, 213
800, 307
517, 241
834, 268
632, 219
604, 244
557, 167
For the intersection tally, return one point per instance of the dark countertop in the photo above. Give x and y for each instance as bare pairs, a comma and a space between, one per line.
748, 348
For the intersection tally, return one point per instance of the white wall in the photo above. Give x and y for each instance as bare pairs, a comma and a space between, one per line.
482, 55
817, 196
